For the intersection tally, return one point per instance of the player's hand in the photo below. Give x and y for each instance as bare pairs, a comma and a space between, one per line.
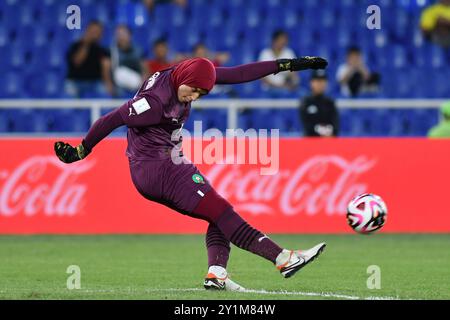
68, 154
301, 63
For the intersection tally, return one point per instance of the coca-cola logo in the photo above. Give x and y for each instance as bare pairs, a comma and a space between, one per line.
43, 184
319, 184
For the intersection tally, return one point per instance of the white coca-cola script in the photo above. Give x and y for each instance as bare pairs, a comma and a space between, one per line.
43, 185
324, 183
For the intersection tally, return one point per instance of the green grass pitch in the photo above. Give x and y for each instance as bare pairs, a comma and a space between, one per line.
173, 267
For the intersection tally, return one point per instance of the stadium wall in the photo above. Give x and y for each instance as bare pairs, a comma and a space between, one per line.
316, 178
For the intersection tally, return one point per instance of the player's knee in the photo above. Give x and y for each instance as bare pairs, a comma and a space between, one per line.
212, 206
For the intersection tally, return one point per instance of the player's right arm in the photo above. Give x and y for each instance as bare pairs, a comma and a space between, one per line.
257, 70
141, 111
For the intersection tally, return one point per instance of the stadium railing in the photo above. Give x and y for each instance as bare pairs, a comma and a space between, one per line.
231, 105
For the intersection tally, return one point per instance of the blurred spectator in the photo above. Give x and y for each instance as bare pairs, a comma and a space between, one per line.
442, 129
283, 83
160, 59
435, 23
150, 4
89, 65
218, 58
318, 112
200, 50
129, 69
354, 76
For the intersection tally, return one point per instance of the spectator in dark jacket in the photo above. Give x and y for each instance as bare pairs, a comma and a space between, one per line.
318, 112
89, 66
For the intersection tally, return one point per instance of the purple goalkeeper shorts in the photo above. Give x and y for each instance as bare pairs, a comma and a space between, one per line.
178, 186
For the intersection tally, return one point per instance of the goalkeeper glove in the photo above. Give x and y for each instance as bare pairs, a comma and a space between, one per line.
68, 154
301, 63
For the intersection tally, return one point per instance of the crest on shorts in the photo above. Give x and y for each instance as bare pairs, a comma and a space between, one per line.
198, 178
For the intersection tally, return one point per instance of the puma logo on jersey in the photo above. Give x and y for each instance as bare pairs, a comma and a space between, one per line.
262, 238
131, 112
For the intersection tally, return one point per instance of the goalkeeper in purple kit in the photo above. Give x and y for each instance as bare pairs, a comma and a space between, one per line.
158, 110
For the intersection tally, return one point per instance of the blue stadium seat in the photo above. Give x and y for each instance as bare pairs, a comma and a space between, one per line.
245, 120
12, 85
345, 122
286, 120
232, 4
441, 83
247, 90
45, 85
179, 16
9, 14
125, 13
253, 18
216, 119
70, 120
4, 121
214, 38
26, 120
159, 17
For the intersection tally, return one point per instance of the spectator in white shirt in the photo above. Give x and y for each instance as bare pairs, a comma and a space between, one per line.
283, 83
354, 76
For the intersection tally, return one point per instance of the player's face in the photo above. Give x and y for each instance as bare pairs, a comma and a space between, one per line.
188, 94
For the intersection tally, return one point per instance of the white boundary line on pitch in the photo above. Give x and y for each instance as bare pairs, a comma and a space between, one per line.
262, 292
292, 293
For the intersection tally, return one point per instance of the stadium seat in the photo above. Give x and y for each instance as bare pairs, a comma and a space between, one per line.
70, 120
12, 85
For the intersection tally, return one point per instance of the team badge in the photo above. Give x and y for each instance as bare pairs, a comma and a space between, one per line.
198, 178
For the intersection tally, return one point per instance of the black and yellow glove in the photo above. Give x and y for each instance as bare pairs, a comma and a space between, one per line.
301, 63
68, 154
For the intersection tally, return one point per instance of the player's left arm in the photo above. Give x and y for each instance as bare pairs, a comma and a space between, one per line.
141, 111
99, 130
257, 70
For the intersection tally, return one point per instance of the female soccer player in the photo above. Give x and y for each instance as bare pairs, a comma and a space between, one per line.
159, 109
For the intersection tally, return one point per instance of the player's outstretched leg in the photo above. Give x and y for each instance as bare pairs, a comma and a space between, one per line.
216, 209
218, 248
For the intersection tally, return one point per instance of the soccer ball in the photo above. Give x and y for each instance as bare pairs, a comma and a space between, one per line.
366, 213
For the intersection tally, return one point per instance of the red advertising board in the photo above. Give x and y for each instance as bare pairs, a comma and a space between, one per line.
315, 179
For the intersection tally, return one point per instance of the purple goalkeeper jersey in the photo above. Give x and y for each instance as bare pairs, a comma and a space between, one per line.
154, 116
155, 106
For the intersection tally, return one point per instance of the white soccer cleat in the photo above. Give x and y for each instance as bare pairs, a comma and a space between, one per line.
217, 279
310, 254
289, 262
